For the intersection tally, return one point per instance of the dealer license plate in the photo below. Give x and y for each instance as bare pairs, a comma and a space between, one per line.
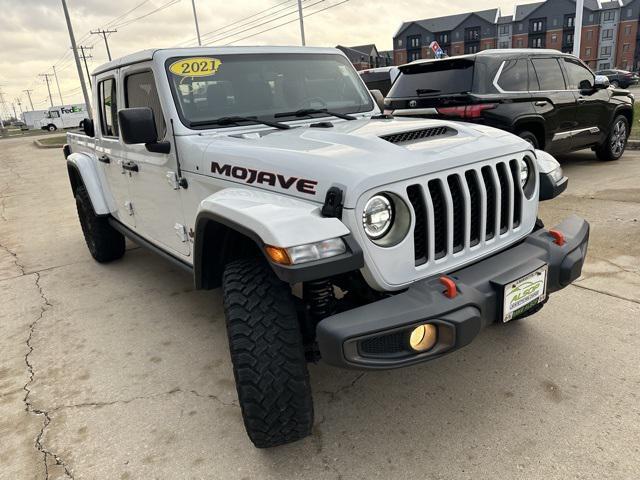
524, 294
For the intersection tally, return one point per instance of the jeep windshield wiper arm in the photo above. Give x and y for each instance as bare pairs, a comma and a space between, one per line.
236, 120
307, 112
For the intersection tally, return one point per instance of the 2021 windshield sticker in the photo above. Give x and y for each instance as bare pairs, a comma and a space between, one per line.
195, 67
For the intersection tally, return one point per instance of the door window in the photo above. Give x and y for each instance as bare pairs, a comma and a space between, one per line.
108, 107
514, 76
140, 91
549, 74
580, 78
54, 114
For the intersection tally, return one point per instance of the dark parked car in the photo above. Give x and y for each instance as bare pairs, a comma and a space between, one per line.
620, 78
548, 98
380, 78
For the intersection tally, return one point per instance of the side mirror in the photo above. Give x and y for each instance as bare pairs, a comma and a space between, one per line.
601, 82
88, 127
379, 98
138, 125
585, 86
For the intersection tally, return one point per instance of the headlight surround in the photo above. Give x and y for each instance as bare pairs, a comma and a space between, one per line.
524, 172
378, 216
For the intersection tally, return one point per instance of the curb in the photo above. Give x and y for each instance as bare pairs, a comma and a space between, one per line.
38, 144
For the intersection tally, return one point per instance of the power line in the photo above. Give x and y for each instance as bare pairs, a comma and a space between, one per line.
104, 35
135, 19
113, 20
58, 84
290, 21
84, 57
259, 25
46, 77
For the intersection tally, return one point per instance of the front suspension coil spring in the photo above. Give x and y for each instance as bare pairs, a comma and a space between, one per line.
319, 297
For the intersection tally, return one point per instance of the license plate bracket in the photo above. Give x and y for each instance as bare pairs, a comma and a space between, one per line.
524, 293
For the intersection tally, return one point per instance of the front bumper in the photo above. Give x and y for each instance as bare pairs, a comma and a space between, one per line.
381, 325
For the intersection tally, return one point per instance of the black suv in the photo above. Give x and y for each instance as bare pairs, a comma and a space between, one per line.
550, 99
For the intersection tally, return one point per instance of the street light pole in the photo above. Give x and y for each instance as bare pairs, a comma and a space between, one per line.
301, 23
75, 55
195, 17
577, 27
58, 84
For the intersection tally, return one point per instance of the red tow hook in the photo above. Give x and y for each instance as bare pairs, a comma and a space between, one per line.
452, 290
558, 237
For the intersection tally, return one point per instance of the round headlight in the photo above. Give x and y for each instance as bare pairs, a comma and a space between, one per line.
377, 217
524, 172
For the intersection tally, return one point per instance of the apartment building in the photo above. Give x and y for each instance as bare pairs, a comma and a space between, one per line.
609, 36
367, 56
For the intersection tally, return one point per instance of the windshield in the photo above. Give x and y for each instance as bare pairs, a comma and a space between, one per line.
262, 85
434, 78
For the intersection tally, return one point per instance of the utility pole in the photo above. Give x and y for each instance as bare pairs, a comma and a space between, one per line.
19, 105
195, 17
84, 57
301, 22
28, 92
46, 77
1, 109
104, 35
577, 27
15, 114
75, 55
58, 84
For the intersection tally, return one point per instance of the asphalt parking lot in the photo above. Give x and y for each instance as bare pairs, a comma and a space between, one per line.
121, 371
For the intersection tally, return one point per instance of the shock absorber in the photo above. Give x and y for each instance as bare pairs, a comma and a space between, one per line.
320, 303
318, 295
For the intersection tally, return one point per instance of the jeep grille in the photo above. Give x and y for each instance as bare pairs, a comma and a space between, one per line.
460, 210
413, 135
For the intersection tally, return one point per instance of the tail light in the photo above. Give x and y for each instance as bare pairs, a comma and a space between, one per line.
466, 111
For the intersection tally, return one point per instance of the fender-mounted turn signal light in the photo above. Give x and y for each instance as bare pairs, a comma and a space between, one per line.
278, 255
558, 237
452, 290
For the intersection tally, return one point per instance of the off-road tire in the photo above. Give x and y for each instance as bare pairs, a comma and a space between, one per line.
616, 143
267, 353
529, 137
52, 128
104, 242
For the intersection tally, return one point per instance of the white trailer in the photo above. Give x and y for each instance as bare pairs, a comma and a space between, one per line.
64, 116
32, 118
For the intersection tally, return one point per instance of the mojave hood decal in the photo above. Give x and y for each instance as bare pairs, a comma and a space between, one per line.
252, 176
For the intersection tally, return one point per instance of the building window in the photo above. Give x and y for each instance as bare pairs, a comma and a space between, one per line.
537, 25
609, 16
568, 39
629, 12
503, 45
605, 66
536, 43
591, 18
554, 38
414, 56
472, 48
587, 52
414, 41
520, 27
569, 21
607, 33
627, 30
519, 43
605, 51
589, 34
625, 47
472, 34
504, 29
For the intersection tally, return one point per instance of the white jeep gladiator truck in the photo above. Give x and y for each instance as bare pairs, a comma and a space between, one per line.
336, 233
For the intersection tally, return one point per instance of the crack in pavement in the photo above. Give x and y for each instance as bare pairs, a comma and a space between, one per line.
16, 261
577, 285
143, 397
29, 407
333, 394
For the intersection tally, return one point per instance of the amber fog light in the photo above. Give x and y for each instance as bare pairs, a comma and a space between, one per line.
423, 337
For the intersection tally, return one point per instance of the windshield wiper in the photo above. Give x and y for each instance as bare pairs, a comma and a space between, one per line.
423, 91
235, 120
307, 112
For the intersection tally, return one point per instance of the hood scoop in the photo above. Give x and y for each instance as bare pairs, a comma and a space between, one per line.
413, 135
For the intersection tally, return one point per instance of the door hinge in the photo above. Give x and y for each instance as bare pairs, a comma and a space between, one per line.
128, 207
172, 180
181, 232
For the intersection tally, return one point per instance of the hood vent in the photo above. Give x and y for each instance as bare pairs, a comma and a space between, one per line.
414, 135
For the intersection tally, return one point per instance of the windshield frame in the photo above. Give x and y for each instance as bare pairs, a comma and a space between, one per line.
368, 107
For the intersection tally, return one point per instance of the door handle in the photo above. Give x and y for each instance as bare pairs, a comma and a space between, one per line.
104, 159
541, 103
130, 166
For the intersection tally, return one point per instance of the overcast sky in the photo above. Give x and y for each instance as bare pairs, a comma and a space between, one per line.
33, 34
